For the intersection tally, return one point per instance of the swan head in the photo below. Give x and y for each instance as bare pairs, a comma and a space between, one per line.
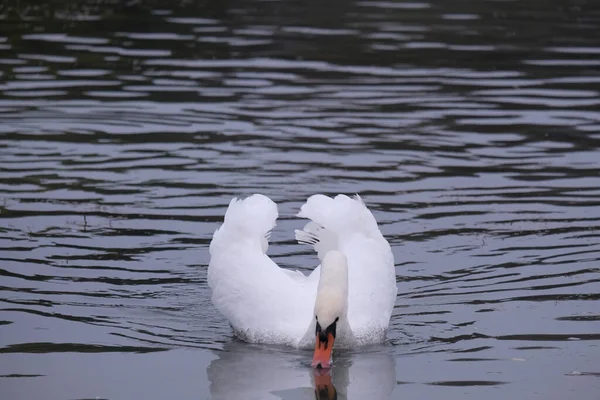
331, 306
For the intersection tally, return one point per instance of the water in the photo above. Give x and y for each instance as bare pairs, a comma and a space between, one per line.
471, 129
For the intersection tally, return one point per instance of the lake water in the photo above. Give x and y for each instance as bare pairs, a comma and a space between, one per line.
470, 128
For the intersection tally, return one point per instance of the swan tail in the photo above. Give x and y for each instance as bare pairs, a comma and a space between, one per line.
251, 218
333, 219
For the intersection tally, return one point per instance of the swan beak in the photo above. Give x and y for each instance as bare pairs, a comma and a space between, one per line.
323, 350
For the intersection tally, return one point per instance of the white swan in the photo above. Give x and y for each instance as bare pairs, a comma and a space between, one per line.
348, 299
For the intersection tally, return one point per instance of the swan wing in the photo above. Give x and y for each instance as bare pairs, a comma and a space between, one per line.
346, 224
263, 302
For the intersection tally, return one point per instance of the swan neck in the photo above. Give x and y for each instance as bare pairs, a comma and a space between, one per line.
332, 291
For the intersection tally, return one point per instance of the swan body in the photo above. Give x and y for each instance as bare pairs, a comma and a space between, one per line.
264, 303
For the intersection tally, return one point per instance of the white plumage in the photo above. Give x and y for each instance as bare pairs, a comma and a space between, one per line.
268, 304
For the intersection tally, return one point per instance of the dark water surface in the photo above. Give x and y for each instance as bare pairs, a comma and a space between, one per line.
471, 129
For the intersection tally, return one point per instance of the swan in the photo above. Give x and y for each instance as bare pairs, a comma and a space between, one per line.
347, 300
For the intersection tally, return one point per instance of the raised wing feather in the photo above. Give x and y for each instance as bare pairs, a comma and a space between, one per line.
346, 224
263, 303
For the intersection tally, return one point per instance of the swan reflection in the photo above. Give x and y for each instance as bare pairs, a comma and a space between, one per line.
323, 384
244, 371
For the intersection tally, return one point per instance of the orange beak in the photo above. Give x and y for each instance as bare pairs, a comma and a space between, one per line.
323, 349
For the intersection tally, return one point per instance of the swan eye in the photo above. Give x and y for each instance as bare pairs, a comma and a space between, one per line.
316, 318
